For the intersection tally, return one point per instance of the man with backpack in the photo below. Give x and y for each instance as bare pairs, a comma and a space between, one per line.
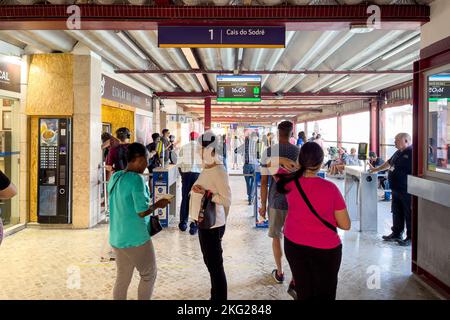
117, 156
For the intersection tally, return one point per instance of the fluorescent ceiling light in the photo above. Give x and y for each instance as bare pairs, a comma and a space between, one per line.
340, 81
131, 44
170, 81
360, 29
404, 46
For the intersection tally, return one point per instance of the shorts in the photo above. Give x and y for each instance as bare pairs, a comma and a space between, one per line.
276, 222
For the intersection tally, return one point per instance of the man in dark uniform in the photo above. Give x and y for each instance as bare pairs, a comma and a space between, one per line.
399, 166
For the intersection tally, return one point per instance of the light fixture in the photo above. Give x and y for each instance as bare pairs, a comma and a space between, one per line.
360, 28
401, 48
170, 81
338, 82
131, 44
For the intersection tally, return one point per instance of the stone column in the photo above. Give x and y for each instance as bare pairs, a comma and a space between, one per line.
24, 167
87, 127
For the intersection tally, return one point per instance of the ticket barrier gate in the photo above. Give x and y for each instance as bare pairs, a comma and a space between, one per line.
165, 182
361, 197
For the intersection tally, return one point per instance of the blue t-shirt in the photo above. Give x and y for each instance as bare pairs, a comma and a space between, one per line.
285, 150
128, 196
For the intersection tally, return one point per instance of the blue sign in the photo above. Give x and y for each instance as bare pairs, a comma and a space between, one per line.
221, 37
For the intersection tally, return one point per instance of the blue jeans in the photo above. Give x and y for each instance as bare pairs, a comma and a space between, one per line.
250, 181
187, 181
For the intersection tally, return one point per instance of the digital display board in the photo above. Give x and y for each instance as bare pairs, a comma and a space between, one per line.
238, 88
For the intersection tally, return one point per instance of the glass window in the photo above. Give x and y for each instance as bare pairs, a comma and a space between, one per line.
396, 120
328, 131
439, 122
355, 129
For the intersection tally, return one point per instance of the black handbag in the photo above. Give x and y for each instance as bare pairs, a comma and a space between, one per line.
154, 225
207, 214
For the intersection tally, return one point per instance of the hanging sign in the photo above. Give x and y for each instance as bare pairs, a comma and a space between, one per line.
221, 37
114, 90
9, 75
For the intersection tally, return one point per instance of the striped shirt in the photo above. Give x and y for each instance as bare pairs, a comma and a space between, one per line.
249, 151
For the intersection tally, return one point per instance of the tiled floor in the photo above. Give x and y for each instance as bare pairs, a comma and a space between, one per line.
65, 264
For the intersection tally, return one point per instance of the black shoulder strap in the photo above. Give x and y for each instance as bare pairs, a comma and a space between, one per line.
308, 203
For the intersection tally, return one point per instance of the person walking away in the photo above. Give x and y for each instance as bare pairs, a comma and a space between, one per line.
292, 139
171, 150
235, 156
190, 164
311, 242
130, 204
155, 150
224, 151
165, 139
117, 160
301, 138
214, 180
277, 201
312, 138
249, 152
7, 191
399, 166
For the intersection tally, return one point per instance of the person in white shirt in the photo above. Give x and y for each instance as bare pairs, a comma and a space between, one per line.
190, 166
213, 179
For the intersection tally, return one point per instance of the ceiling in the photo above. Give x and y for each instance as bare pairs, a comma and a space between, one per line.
345, 50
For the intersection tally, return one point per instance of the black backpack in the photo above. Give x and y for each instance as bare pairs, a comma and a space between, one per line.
121, 161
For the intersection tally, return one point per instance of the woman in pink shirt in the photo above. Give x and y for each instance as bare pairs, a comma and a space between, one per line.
312, 246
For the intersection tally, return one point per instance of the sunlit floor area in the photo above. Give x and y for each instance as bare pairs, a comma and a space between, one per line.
65, 264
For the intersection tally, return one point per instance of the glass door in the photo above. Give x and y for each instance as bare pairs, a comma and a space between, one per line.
9, 156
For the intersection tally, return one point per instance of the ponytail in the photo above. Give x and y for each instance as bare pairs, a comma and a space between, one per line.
284, 179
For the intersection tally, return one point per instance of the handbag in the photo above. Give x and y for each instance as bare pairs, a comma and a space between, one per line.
207, 215
154, 225
311, 208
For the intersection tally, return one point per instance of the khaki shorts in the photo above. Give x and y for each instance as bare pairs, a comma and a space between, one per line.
276, 222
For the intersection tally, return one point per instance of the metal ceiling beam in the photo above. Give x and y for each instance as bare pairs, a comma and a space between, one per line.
248, 119
275, 96
193, 62
317, 72
256, 111
126, 17
259, 105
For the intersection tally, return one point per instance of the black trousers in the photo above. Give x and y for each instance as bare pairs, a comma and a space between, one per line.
211, 245
401, 213
187, 182
315, 271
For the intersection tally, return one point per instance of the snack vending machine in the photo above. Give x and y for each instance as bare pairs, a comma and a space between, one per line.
54, 170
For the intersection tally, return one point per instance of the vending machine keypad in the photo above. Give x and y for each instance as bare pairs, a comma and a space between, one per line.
49, 157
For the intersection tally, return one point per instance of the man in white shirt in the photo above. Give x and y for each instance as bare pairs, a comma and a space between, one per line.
190, 166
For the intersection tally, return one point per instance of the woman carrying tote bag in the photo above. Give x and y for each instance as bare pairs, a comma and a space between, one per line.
213, 187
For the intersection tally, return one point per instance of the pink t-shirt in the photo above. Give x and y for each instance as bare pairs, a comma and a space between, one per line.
302, 226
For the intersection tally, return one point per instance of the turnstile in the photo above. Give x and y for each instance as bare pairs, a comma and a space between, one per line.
165, 182
361, 197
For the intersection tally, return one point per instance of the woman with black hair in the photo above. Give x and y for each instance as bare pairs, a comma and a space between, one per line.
214, 180
129, 201
315, 208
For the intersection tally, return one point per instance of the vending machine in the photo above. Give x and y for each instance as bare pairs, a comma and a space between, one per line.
54, 170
